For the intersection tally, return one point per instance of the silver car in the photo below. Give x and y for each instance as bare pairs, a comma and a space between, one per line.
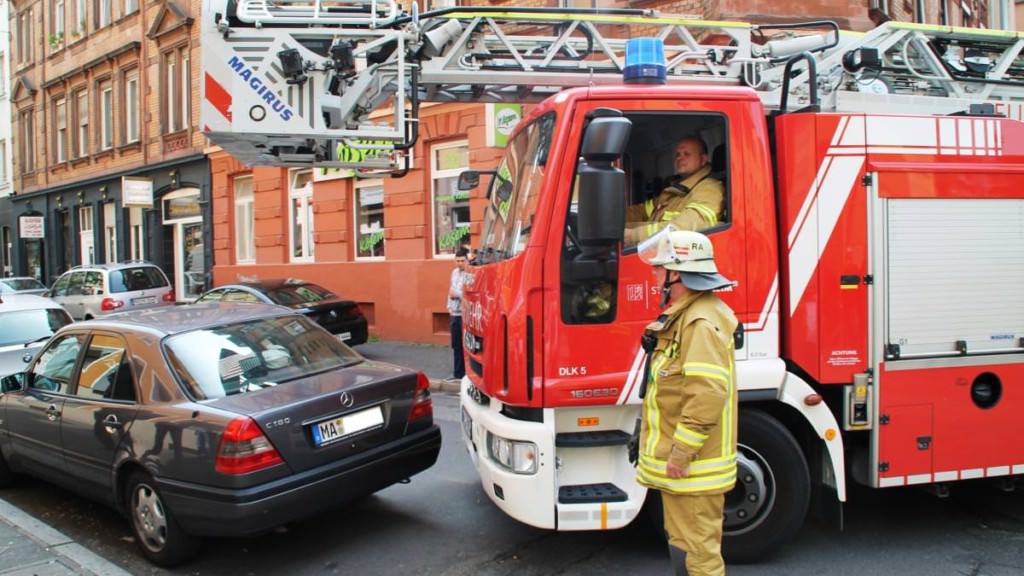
22, 285
88, 292
26, 322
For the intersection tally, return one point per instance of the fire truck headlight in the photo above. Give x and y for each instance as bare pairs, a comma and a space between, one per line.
515, 456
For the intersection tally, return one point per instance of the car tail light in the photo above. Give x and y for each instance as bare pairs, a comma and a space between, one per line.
168, 296
245, 448
421, 404
357, 311
109, 304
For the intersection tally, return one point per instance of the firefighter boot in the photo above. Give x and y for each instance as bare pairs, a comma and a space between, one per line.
678, 557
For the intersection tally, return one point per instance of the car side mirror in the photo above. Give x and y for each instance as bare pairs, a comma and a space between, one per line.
12, 382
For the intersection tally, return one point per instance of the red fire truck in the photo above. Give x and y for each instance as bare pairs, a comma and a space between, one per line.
873, 223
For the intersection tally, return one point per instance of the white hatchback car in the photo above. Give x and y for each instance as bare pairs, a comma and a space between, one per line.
89, 292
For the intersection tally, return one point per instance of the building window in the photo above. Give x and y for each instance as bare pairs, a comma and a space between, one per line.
131, 6
131, 107
176, 90
136, 244
3, 162
60, 140
81, 147
79, 23
3, 74
25, 37
245, 221
106, 116
369, 219
110, 231
87, 243
56, 39
451, 206
27, 147
103, 13
300, 214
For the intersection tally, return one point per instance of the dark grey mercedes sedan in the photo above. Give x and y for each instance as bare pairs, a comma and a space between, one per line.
213, 420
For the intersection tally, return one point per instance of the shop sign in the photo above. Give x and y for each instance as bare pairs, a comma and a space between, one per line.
136, 192
182, 207
502, 119
31, 227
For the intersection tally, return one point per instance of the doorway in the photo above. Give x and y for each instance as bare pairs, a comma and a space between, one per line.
182, 213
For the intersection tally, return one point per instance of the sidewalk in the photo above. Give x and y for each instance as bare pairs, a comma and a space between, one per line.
29, 547
434, 361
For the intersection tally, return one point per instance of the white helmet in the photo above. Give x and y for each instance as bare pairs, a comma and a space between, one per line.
687, 252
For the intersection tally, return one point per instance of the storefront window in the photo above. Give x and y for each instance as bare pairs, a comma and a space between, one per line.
85, 227
300, 214
451, 205
369, 214
137, 237
110, 232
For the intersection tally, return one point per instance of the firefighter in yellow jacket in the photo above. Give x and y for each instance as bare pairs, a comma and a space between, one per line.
688, 433
693, 201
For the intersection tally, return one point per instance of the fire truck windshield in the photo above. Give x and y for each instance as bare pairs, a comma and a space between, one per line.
515, 192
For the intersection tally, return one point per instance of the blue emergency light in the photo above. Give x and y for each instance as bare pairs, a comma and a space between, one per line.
645, 61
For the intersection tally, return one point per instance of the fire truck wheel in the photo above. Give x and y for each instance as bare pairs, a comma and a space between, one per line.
768, 505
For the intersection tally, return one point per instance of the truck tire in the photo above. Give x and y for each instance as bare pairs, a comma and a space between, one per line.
769, 503
773, 490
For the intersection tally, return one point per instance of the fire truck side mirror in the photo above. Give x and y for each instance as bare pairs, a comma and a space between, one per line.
602, 201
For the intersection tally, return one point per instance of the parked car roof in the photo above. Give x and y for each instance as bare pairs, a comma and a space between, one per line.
14, 301
175, 319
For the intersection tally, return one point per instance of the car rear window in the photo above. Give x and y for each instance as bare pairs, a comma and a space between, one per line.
299, 294
138, 278
21, 326
247, 356
22, 284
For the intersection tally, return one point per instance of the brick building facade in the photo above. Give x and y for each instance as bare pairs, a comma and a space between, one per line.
103, 93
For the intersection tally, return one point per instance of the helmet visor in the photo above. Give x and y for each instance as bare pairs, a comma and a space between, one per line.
657, 250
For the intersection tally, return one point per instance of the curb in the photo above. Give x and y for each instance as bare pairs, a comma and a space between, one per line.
57, 543
445, 386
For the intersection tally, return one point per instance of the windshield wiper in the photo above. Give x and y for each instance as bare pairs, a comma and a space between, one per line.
37, 340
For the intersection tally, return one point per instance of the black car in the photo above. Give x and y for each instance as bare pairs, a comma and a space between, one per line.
213, 420
340, 317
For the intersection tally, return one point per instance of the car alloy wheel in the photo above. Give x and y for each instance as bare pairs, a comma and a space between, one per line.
156, 531
150, 519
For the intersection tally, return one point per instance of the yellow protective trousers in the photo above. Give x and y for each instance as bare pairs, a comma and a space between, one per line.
694, 525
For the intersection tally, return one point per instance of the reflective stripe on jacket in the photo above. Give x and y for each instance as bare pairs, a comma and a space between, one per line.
690, 409
693, 204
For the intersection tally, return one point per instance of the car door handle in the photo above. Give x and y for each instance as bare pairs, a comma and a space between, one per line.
111, 423
52, 412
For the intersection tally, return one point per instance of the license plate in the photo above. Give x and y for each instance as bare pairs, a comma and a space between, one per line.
146, 300
345, 336
337, 428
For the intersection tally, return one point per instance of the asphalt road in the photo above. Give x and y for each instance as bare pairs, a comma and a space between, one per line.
443, 524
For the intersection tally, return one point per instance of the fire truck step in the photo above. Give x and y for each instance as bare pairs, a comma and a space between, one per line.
589, 493
592, 439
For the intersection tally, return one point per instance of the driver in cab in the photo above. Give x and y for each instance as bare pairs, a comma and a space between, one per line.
692, 201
